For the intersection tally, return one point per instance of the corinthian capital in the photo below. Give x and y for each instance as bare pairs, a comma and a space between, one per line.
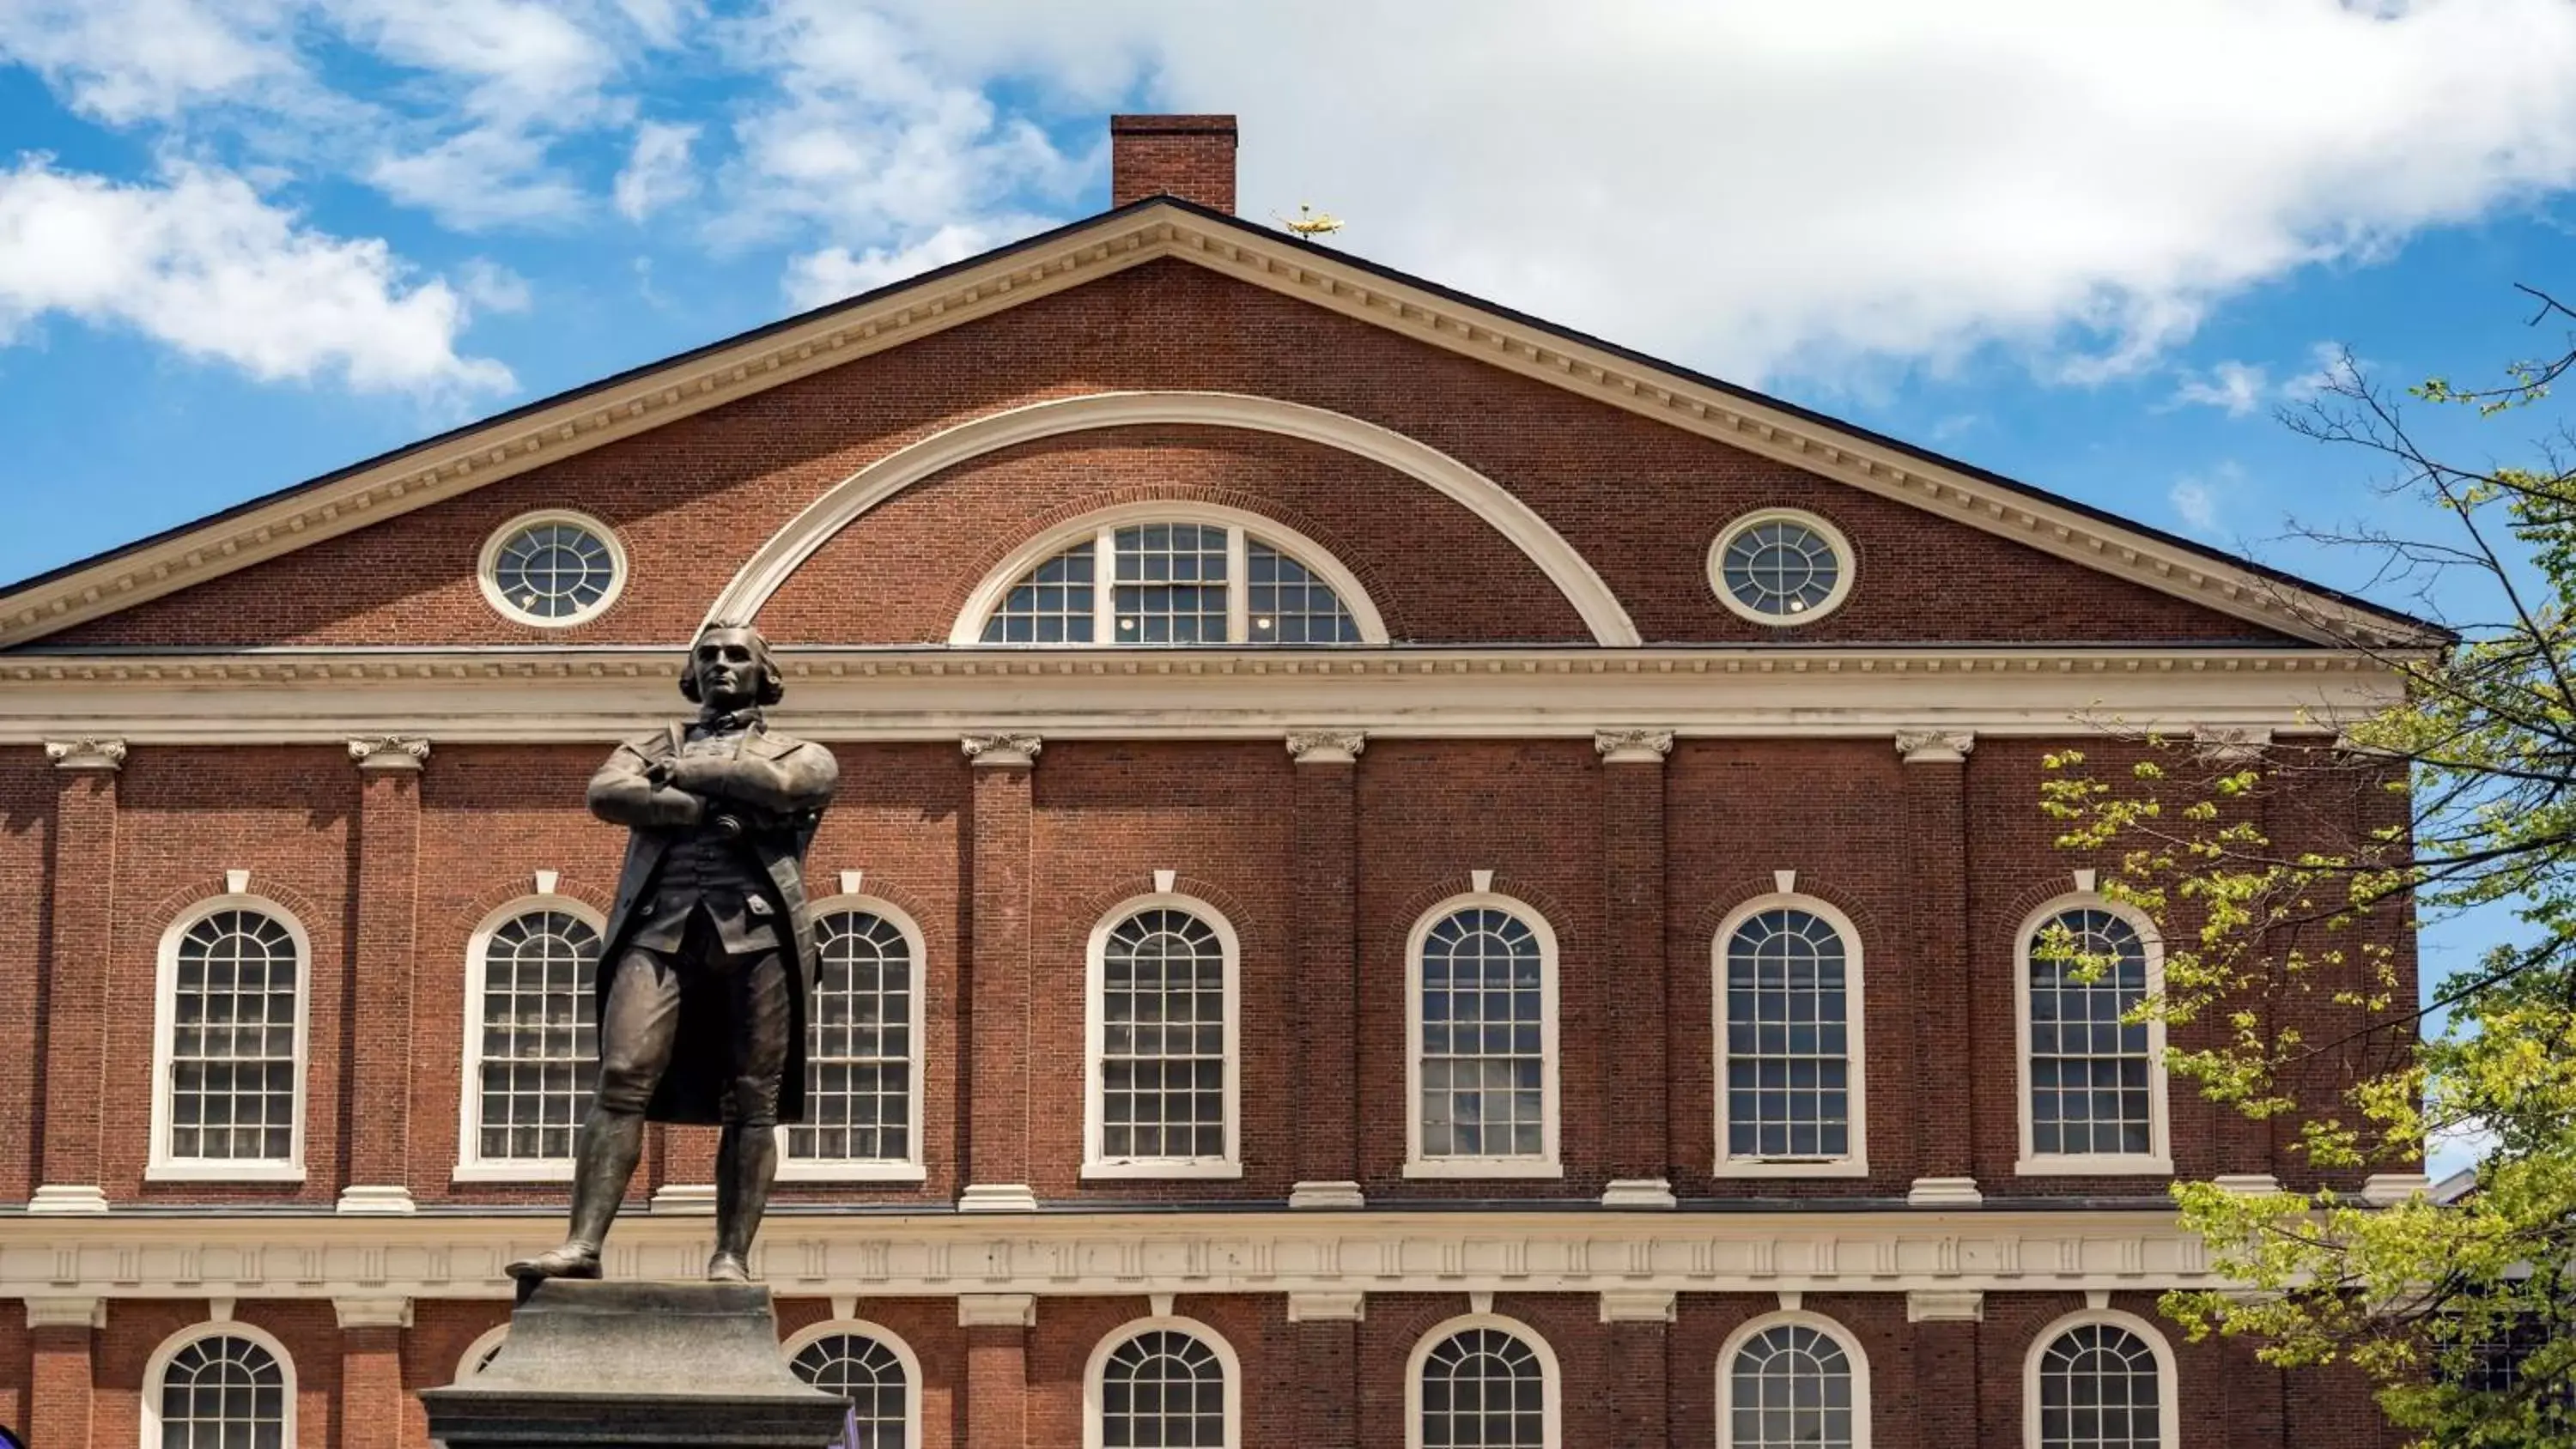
1632, 747
86, 754
1934, 747
1002, 750
389, 752
1326, 747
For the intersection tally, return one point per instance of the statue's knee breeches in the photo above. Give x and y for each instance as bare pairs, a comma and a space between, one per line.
637, 1030
761, 1024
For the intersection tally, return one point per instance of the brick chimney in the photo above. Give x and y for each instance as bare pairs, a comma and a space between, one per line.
1191, 157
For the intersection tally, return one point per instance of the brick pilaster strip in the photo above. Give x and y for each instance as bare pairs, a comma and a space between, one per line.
996, 1035
1327, 966
1936, 782
997, 1369
78, 986
1639, 1403
62, 1375
1633, 969
373, 1404
380, 1006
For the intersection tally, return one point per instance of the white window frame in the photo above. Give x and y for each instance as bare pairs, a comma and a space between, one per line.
159, 1364
2168, 1394
1099, 527
910, 1168
804, 1338
1096, 1371
2157, 1161
1096, 1165
1552, 1421
1855, 1011
1550, 1162
162, 1166
467, 1363
1846, 566
471, 1166
1843, 1338
487, 566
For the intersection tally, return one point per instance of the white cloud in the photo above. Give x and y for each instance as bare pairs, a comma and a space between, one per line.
130, 60
204, 265
833, 273
657, 172
2194, 504
2236, 387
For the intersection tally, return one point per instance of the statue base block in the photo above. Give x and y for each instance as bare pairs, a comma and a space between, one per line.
592, 1365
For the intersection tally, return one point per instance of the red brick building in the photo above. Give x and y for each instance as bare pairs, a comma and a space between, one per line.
1403, 877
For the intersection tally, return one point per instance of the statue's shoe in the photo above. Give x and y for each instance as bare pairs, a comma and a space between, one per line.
568, 1261
727, 1268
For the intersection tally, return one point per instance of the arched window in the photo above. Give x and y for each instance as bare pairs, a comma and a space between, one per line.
1481, 1382
2100, 1380
874, 1370
1163, 1382
479, 1354
1481, 983
531, 1052
1792, 1381
229, 1096
2092, 1085
1789, 1059
863, 1053
1170, 574
219, 1386
1163, 1013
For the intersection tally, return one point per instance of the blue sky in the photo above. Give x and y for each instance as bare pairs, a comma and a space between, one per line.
246, 241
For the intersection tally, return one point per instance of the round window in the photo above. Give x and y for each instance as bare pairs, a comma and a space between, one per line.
1780, 567
553, 569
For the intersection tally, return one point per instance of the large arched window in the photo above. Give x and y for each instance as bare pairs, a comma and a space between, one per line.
219, 1386
1792, 1381
531, 1050
873, 1369
2092, 1084
1481, 1382
1163, 1017
2099, 1380
1160, 574
1789, 1059
228, 1099
1171, 1382
1480, 975
863, 1051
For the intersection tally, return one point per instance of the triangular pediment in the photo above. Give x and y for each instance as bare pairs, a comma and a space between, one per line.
552, 429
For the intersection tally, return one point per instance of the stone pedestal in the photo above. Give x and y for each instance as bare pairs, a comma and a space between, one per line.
637, 1366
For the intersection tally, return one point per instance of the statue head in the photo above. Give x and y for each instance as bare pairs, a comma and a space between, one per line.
729, 667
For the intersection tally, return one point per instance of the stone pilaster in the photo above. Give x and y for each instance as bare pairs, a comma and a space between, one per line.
380, 1045
996, 1038
1633, 967
1327, 843
1940, 1106
83, 882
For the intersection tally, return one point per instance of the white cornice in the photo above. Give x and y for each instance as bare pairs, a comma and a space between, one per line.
1812, 1250
510, 446
595, 694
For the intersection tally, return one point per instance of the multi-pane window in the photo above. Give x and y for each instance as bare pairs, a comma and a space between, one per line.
1163, 1046
1483, 1388
553, 570
1788, 1052
1163, 1388
1790, 1387
858, 1061
234, 1014
222, 1392
871, 1376
1483, 1046
537, 1052
2092, 1075
1779, 568
2098, 1390
1172, 583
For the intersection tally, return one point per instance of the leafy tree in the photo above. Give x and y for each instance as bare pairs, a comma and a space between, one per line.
2288, 873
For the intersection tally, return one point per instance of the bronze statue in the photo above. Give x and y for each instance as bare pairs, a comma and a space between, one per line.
709, 960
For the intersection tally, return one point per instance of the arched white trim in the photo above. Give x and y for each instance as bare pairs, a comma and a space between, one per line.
2168, 1396
1855, 1010
804, 1338
1552, 1407
1096, 1163
1093, 1372
469, 1363
162, 1165
471, 1165
2157, 1161
159, 1364
908, 1168
1548, 1163
1843, 1338
996, 587
792, 545
487, 567
1846, 566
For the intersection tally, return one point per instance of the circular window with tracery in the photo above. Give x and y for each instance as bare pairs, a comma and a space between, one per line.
553, 569
1780, 566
